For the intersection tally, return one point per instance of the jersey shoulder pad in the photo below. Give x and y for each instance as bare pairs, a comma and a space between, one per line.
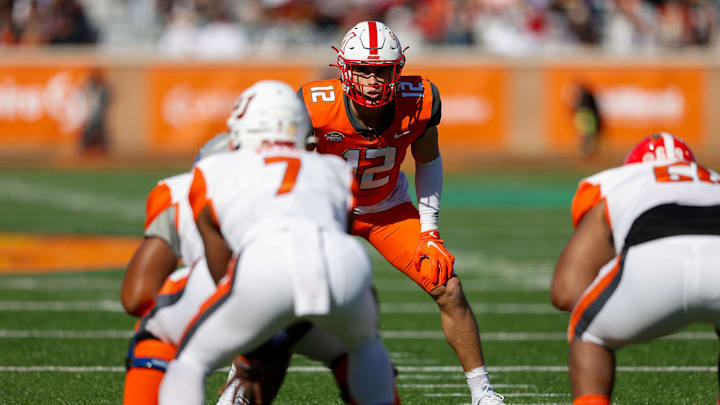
323, 100
412, 88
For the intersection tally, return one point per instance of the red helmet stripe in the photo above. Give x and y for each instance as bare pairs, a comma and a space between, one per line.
373, 37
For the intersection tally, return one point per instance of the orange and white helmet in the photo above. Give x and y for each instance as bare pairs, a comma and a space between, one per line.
268, 112
661, 147
370, 44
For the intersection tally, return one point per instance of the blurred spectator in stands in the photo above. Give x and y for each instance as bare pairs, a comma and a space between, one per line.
511, 27
204, 29
702, 21
8, 30
32, 20
583, 18
69, 24
232, 28
671, 29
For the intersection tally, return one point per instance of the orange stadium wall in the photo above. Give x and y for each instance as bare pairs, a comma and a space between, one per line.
492, 110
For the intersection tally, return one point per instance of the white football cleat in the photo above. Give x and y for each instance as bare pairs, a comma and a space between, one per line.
490, 397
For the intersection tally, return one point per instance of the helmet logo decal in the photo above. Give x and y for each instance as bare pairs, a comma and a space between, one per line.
334, 136
242, 105
350, 35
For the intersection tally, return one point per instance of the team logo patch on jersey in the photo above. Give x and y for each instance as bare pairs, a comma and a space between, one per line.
334, 136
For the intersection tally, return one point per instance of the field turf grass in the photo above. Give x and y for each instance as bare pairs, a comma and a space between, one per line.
63, 336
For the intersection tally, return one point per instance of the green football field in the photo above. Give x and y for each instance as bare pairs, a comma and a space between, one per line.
64, 336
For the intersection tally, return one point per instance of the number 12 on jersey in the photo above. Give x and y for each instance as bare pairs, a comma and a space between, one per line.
367, 178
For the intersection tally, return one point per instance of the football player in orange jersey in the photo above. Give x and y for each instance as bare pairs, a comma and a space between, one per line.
642, 262
370, 116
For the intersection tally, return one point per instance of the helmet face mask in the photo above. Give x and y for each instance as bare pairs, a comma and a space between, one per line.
370, 60
660, 147
268, 113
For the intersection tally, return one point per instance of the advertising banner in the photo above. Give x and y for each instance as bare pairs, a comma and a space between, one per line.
190, 104
474, 102
633, 101
44, 106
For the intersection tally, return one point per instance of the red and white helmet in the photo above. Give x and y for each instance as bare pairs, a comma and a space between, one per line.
661, 147
268, 112
370, 44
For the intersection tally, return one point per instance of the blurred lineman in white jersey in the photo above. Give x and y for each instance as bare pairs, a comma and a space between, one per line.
166, 302
273, 219
644, 260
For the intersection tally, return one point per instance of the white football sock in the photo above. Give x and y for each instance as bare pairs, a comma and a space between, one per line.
478, 380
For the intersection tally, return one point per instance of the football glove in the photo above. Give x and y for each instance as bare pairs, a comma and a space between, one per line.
432, 248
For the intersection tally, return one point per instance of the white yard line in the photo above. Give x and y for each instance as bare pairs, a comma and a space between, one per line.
510, 394
62, 369
56, 284
64, 306
386, 334
385, 308
478, 308
73, 199
403, 369
501, 336
66, 334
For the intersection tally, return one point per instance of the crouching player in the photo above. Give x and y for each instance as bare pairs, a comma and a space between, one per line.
282, 213
167, 299
643, 261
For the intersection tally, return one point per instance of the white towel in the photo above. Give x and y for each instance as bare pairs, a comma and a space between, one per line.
310, 274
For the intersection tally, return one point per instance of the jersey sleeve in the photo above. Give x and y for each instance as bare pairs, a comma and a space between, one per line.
159, 199
164, 227
586, 197
161, 217
436, 113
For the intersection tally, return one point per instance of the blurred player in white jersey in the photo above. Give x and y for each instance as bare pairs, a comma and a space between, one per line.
644, 260
166, 299
282, 214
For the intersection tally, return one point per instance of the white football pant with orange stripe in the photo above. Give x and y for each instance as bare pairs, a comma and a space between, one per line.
657, 288
257, 299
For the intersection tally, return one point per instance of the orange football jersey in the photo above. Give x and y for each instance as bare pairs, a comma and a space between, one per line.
375, 156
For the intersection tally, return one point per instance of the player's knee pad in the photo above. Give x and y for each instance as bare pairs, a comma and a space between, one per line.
146, 364
148, 352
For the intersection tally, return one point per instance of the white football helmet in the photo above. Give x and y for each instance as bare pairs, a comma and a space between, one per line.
268, 112
370, 44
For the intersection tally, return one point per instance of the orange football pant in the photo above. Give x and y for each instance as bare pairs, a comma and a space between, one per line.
395, 233
143, 384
